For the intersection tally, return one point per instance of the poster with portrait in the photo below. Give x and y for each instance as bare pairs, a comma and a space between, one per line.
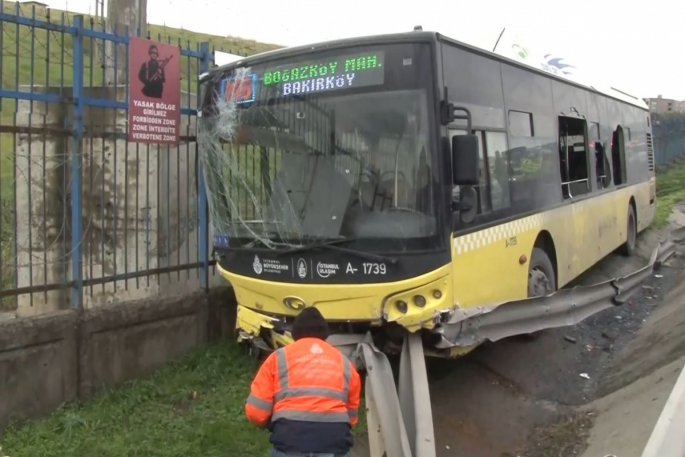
154, 96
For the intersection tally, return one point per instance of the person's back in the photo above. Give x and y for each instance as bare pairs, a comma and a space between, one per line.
307, 393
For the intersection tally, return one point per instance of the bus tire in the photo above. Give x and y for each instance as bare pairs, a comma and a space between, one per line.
541, 279
628, 248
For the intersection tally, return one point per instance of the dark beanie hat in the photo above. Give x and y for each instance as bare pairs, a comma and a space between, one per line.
310, 324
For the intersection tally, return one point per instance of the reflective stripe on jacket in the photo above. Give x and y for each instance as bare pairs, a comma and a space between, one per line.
308, 380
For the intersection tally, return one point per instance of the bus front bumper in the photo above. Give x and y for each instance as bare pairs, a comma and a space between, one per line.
266, 333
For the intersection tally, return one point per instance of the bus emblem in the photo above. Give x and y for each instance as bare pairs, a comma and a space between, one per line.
294, 303
257, 265
302, 268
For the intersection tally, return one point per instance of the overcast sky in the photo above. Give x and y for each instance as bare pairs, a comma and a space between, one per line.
636, 46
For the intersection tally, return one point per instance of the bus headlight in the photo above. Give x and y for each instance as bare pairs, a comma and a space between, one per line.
415, 307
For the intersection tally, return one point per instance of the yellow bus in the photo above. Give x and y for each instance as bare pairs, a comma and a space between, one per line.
393, 180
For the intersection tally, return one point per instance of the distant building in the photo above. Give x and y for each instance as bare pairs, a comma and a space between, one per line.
36, 4
662, 105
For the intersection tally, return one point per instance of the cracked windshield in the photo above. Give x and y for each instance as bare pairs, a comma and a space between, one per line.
337, 147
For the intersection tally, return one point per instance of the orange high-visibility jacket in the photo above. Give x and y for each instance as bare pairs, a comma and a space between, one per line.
308, 380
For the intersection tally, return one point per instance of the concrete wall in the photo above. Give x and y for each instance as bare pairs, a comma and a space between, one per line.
139, 206
67, 355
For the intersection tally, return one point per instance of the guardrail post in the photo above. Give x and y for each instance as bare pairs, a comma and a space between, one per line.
75, 167
203, 242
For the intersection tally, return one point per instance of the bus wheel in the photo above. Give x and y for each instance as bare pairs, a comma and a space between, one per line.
631, 234
541, 278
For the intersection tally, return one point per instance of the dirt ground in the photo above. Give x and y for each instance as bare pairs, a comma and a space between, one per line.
625, 418
641, 379
521, 398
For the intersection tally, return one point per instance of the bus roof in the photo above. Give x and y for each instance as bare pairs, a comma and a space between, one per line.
418, 36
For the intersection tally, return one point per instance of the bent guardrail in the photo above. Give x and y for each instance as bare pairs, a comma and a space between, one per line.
468, 327
668, 247
400, 421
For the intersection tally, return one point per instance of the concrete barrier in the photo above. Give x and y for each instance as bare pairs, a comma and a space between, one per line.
55, 358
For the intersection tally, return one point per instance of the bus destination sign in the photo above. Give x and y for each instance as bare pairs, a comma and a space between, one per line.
336, 73
342, 72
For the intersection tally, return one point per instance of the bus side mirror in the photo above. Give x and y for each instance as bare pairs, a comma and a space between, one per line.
465, 160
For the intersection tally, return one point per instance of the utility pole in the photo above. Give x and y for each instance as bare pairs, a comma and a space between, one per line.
100, 26
499, 38
100, 13
120, 15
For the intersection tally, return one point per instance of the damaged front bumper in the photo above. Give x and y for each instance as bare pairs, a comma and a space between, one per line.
456, 331
266, 311
266, 333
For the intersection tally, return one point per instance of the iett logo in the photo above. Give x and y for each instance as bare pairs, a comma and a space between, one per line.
316, 349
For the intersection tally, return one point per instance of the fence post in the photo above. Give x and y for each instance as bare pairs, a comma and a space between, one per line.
202, 192
75, 165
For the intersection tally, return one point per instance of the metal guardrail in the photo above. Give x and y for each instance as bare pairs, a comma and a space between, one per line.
668, 247
400, 421
562, 308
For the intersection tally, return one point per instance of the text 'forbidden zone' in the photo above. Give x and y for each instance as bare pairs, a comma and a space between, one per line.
154, 111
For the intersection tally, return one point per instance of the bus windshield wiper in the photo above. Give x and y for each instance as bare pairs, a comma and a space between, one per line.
333, 246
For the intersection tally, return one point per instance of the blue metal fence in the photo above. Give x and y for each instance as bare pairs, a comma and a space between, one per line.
86, 217
669, 140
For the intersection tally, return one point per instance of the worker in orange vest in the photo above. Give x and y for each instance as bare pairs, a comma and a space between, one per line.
306, 394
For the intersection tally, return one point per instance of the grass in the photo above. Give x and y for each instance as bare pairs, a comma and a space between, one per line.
193, 407
670, 190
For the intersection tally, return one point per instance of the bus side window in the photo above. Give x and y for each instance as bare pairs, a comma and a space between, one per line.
618, 155
498, 164
602, 169
573, 157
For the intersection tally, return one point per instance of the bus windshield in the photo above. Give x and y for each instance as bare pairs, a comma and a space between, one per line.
325, 147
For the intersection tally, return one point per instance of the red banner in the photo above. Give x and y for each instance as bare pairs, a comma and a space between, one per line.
154, 93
